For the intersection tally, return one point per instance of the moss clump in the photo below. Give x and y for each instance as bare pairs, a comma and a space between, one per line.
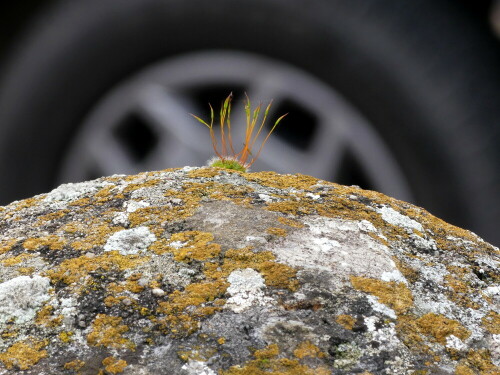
228, 164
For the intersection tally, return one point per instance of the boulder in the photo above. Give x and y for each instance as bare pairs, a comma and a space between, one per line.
211, 271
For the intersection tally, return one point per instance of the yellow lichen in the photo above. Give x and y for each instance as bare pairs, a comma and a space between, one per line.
26, 270
201, 353
460, 290
275, 274
221, 340
290, 222
346, 321
52, 216
15, 260
308, 349
65, 336
439, 327
272, 179
114, 365
74, 365
74, 270
27, 203
6, 245
45, 318
108, 331
268, 352
395, 295
204, 172
280, 232
183, 310
24, 354
139, 185
195, 246
266, 362
492, 322
97, 233
52, 241
477, 362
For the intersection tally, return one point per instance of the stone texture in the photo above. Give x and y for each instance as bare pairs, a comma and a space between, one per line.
209, 271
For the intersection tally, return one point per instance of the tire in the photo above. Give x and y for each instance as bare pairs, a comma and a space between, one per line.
425, 76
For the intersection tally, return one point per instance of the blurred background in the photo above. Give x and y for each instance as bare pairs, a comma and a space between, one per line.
402, 97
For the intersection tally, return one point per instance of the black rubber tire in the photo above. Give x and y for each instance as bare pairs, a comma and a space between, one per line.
421, 71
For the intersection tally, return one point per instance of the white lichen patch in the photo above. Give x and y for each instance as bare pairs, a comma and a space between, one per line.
381, 308
21, 297
394, 275
246, 290
121, 218
495, 349
454, 342
197, 368
133, 206
337, 246
130, 241
72, 191
395, 218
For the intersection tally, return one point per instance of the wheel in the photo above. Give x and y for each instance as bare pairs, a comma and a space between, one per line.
387, 95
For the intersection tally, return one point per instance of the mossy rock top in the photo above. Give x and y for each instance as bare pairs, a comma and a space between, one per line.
212, 271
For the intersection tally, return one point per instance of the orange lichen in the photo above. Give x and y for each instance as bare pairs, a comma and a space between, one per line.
108, 331
114, 365
395, 295
308, 349
24, 354
439, 327
346, 321
52, 241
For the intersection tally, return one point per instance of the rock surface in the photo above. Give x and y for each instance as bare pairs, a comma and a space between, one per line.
208, 271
